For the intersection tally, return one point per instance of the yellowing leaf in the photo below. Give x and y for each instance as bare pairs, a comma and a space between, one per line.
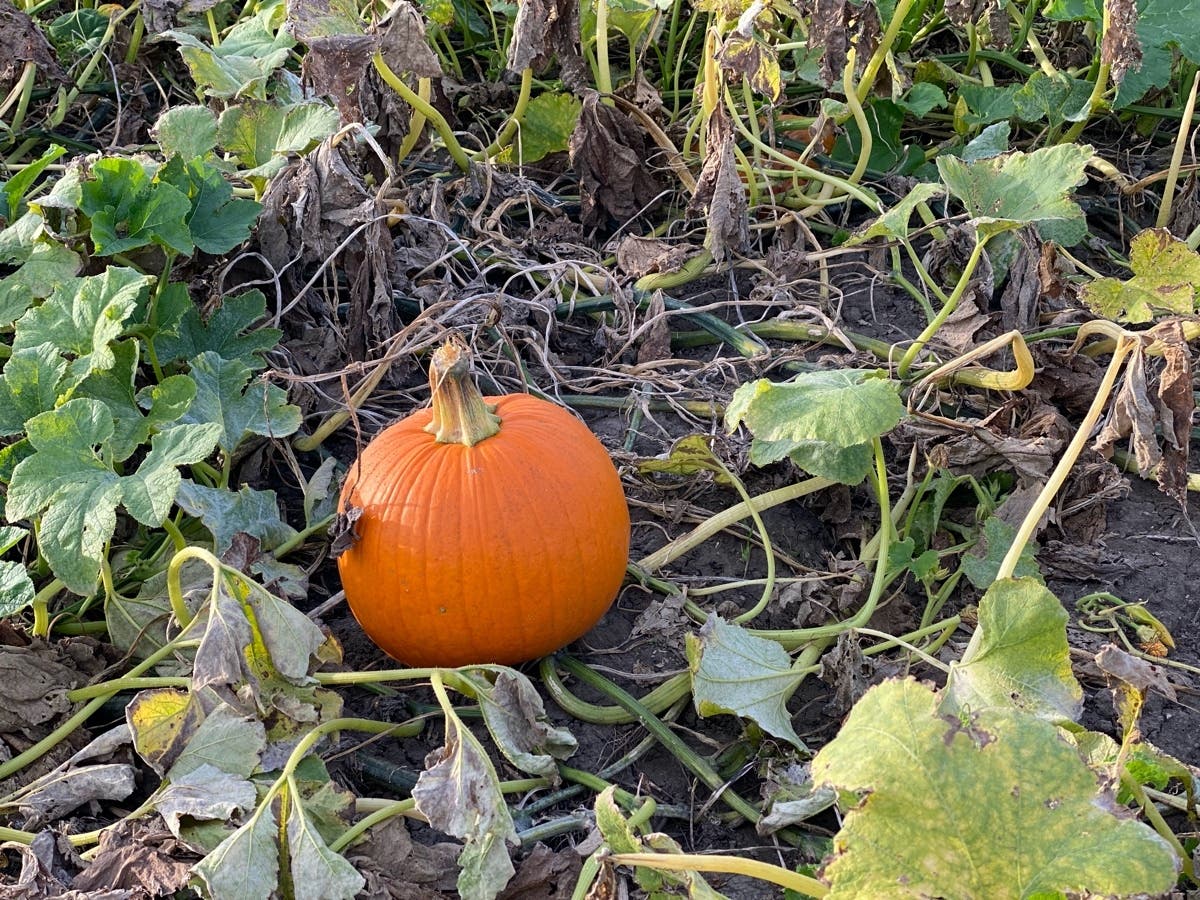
988, 805
1018, 656
1166, 276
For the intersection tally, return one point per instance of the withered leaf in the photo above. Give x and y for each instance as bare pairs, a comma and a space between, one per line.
1139, 674
720, 194
638, 256
544, 875
33, 687
403, 45
654, 335
847, 671
610, 154
1120, 47
544, 29
1019, 299
517, 720
205, 794
89, 775
754, 59
135, 856
162, 15
23, 42
1132, 415
1176, 404
828, 33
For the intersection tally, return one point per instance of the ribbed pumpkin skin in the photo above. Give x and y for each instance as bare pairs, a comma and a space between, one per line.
497, 553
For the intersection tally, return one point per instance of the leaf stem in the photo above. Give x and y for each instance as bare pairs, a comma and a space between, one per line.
1125, 344
409, 96
733, 865
948, 307
1164, 211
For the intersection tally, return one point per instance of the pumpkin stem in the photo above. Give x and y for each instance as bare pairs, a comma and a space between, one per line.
460, 416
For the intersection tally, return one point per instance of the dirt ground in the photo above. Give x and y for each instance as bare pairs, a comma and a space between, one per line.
1143, 549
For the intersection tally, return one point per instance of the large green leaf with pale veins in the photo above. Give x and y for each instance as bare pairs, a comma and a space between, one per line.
1018, 656
988, 806
1014, 189
68, 481
842, 407
735, 672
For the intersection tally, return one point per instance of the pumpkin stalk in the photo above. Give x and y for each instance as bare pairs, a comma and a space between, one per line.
460, 415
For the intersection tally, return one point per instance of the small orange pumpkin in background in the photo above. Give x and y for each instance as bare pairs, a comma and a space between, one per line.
489, 530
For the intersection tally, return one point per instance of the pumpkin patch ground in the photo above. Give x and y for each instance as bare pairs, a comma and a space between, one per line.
846, 348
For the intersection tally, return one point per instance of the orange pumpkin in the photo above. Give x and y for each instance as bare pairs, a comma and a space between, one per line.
490, 530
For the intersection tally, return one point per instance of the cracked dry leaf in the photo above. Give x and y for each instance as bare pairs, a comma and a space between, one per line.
545, 29
610, 154
205, 794
33, 687
338, 51
138, 857
78, 781
1132, 416
720, 195
24, 42
1176, 405
403, 44
310, 209
1120, 47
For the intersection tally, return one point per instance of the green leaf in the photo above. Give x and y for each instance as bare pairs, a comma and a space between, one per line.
841, 407
136, 414
1155, 72
737, 673
986, 105
227, 513
1166, 277
225, 739
49, 266
229, 332
69, 483
1054, 100
893, 224
242, 62
889, 151
549, 121
129, 210
16, 589
998, 536
459, 794
1024, 815
260, 134
217, 221
225, 397
845, 465
1015, 189
189, 132
29, 386
1018, 656
923, 98
317, 872
82, 318
517, 721
992, 141
246, 864
15, 189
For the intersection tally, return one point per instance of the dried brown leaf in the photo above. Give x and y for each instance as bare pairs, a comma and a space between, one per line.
403, 44
1133, 416
847, 671
1019, 299
720, 195
828, 33
609, 152
654, 340
1176, 404
396, 867
23, 42
543, 30
544, 875
638, 256
139, 857
1120, 47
